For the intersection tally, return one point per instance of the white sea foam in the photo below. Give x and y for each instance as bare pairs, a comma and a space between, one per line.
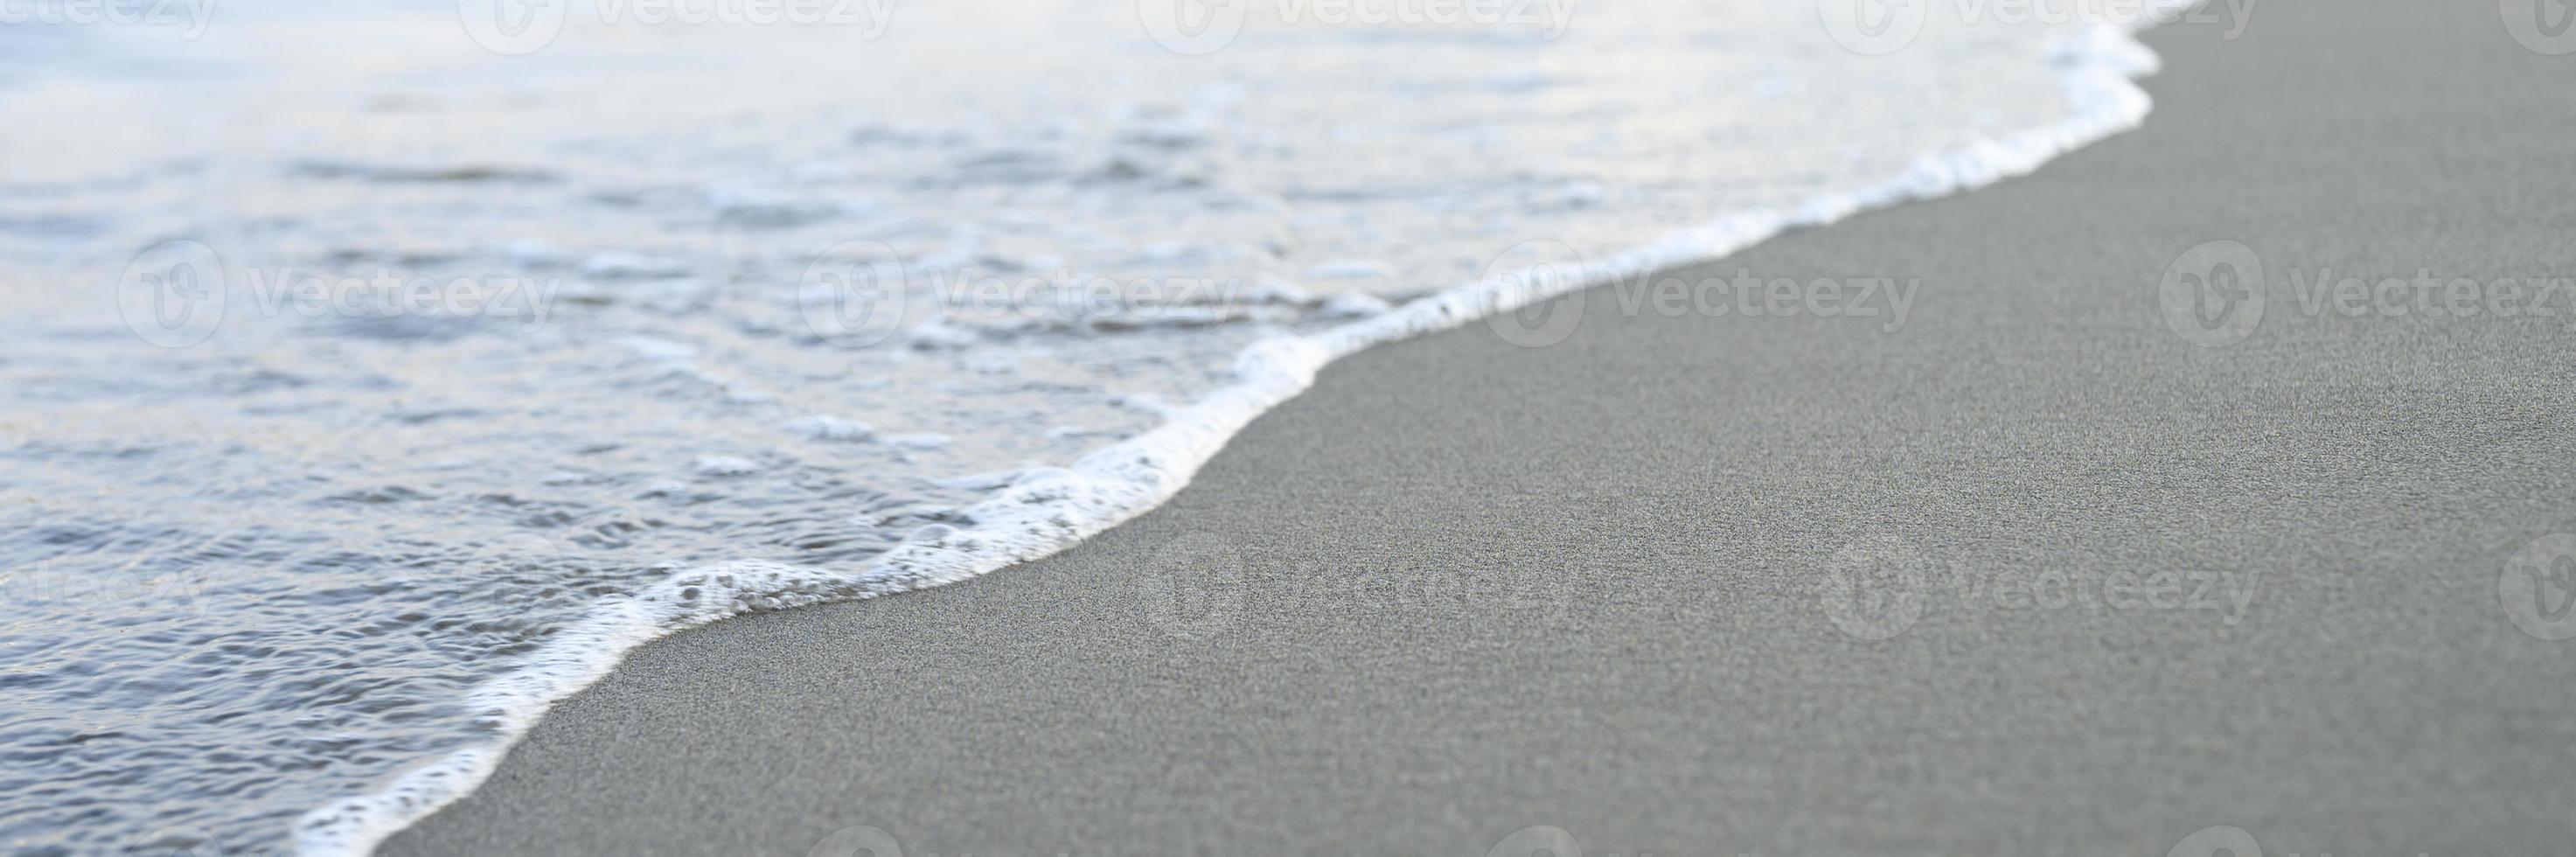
1043, 510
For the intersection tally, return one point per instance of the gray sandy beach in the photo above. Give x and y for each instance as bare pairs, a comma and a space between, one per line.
2050, 567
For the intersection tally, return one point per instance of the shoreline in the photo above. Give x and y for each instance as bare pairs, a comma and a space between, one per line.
1043, 662
2098, 67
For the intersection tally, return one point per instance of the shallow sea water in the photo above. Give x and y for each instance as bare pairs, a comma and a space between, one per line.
345, 362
